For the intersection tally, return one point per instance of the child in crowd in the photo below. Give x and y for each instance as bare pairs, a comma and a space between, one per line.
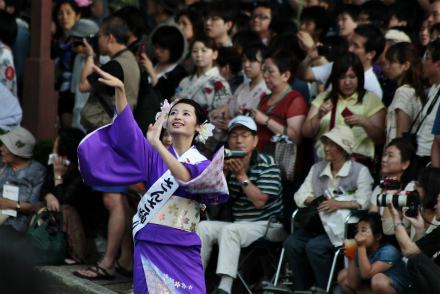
377, 266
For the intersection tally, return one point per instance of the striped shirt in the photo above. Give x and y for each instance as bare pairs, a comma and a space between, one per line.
265, 174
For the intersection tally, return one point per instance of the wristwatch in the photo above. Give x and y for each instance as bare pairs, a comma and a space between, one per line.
245, 183
397, 224
18, 204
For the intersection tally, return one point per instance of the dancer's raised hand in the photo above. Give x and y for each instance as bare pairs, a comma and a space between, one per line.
153, 133
111, 81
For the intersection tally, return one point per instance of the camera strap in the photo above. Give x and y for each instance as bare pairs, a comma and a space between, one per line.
431, 106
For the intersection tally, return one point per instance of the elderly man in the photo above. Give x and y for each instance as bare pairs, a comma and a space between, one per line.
254, 183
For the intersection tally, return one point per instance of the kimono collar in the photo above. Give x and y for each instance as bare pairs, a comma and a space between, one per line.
212, 72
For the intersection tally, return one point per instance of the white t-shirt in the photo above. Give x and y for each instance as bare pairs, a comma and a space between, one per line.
322, 74
425, 138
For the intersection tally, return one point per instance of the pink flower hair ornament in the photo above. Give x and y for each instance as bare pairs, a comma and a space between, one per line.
83, 3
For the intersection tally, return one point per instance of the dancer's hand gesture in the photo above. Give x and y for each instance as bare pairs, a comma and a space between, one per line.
153, 133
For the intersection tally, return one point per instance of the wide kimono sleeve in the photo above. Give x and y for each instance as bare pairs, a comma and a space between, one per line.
115, 155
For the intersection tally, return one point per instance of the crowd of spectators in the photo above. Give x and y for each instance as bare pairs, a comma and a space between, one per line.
355, 85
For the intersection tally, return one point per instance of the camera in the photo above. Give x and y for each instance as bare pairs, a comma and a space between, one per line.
79, 41
411, 200
324, 50
233, 153
390, 184
247, 112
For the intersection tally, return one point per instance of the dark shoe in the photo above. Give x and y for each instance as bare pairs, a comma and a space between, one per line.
101, 274
120, 270
221, 291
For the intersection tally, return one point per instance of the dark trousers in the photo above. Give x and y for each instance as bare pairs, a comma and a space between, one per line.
310, 257
424, 274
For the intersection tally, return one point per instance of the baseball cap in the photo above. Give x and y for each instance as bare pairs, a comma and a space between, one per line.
242, 121
20, 142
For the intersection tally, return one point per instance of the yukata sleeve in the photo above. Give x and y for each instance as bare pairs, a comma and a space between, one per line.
115, 155
208, 179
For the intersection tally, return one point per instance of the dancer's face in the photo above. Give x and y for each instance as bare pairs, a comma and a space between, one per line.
182, 120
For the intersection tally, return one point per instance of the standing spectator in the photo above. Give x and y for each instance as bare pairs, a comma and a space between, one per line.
428, 147
112, 38
20, 48
166, 74
404, 66
66, 13
8, 33
434, 13
217, 21
136, 23
261, 18
367, 43
254, 182
347, 20
284, 110
424, 37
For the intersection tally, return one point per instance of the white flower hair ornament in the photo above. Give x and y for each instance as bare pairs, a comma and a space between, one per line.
206, 132
165, 109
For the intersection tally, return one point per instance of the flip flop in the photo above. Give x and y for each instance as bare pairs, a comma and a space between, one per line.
97, 270
120, 270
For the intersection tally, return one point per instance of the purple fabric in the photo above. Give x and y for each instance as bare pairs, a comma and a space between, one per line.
176, 268
119, 154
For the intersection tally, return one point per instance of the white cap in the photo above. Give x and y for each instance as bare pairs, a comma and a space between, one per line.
242, 121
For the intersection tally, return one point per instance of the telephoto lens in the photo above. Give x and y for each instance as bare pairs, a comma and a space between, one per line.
411, 199
233, 153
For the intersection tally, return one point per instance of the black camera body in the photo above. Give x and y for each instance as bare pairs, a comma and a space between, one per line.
79, 41
233, 154
411, 200
390, 184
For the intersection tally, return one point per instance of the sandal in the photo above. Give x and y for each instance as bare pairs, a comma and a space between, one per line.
97, 270
120, 270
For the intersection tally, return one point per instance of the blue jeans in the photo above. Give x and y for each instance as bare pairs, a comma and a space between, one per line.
310, 257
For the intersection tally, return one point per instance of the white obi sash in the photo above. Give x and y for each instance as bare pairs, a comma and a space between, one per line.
211, 181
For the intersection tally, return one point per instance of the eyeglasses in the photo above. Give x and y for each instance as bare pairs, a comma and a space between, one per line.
260, 16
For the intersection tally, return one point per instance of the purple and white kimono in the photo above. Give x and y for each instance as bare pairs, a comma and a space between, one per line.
166, 259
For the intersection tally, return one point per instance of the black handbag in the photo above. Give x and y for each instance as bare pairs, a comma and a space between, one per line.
308, 218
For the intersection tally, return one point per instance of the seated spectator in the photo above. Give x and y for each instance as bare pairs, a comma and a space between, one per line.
241, 24
254, 184
248, 94
367, 43
404, 66
217, 21
310, 254
244, 39
190, 23
347, 20
19, 170
166, 74
66, 13
8, 33
424, 37
366, 113
423, 259
261, 18
378, 266
11, 112
284, 110
229, 63
399, 164
65, 190
282, 26
316, 22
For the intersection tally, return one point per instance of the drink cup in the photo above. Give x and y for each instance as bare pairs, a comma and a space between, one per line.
350, 247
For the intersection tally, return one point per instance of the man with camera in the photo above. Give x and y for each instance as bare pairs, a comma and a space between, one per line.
424, 261
111, 40
254, 183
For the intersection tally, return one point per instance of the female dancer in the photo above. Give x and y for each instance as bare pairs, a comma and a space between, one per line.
167, 249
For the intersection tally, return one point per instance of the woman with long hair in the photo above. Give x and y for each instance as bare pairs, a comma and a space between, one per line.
348, 104
404, 66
